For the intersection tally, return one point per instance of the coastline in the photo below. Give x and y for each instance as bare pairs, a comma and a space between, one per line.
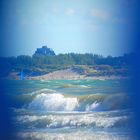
66, 74
83, 77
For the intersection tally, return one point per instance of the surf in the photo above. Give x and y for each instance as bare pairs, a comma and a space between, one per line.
51, 100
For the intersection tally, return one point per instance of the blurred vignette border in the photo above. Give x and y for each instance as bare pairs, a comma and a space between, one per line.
135, 36
5, 116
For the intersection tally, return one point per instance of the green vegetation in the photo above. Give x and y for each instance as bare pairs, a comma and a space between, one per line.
88, 64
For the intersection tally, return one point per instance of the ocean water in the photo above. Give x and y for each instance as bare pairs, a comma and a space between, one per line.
71, 109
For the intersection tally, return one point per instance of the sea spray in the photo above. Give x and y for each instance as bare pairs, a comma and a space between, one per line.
93, 106
53, 102
75, 120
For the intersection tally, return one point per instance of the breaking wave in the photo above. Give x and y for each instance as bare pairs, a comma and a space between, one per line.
94, 120
73, 136
51, 100
54, 115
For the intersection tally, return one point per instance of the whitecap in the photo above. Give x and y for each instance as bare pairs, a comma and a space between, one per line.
53, 102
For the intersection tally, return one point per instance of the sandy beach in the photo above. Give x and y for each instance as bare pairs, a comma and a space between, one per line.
71, 75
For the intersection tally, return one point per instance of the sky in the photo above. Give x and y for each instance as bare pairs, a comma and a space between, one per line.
101, 27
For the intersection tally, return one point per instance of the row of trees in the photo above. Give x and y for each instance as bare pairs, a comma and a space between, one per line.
67, 59
43, 61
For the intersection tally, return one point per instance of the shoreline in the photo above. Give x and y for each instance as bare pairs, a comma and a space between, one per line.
78, 78
66, 74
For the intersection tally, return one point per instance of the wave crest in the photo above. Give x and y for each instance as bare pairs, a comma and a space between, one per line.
53, 102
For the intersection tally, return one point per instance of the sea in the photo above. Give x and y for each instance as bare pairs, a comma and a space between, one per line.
71, 109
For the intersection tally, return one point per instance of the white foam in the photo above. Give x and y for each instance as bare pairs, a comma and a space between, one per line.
53, 102
79, 120
78, 135
93, 106
84, 86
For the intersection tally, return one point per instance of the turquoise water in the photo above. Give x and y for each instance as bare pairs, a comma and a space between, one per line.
71, 109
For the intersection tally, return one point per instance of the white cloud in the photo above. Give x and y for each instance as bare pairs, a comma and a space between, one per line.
90, 25
100, 14
70, 12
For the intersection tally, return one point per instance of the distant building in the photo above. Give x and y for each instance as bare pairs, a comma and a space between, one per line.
44, 51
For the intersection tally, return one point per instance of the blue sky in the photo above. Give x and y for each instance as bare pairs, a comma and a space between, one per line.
94, 26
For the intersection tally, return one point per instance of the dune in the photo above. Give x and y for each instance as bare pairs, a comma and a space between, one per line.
71, 75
